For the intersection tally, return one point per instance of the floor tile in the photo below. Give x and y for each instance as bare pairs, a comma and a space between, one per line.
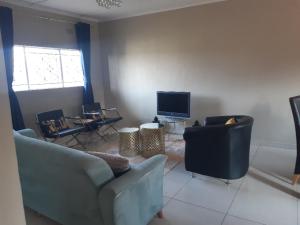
231, 220
33, 218
179, 213
166, 200
253, 150
298, 211
157, 221
275, 161
259, 201
181, 169
212, 194
265, 196
174, 181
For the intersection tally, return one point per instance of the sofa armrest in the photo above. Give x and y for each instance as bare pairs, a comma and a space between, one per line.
135, 197
28, 133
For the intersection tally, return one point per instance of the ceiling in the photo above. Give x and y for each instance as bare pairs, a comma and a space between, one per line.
89, 8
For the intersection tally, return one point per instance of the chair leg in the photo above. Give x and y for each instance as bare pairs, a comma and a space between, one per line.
160, 214
70, 140
111, 127
227, 182
78, 141
114, 129
295, 179
106, 128
100, 135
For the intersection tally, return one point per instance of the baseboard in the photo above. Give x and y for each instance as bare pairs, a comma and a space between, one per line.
274, 144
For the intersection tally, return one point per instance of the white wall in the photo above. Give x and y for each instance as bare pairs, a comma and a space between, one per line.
235, 57
11, 205
30, 29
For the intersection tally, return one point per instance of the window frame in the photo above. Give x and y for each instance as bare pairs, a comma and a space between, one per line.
61, 69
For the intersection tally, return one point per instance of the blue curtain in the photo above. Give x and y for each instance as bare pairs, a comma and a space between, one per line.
6, 26
83, 34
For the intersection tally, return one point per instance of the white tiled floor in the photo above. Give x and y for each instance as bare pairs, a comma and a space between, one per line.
264, 196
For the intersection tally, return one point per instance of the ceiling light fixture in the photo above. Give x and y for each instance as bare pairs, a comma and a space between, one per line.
109, 3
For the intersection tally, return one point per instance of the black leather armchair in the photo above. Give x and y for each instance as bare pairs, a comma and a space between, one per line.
219, 150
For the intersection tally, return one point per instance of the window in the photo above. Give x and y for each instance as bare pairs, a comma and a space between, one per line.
45, 68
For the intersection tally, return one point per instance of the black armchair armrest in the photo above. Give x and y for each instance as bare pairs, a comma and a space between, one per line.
72, 117
110, 109
91, 113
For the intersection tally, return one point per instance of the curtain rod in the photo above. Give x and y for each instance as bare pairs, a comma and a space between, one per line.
37, 14
52, 19
56, 20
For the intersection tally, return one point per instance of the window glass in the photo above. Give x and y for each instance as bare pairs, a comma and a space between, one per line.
44, 68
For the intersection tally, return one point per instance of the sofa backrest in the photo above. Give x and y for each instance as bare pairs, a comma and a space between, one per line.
60, 182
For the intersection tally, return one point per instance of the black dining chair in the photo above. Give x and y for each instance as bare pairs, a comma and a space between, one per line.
295, 106
53, 125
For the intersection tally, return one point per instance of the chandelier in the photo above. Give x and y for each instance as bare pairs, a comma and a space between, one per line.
109, 3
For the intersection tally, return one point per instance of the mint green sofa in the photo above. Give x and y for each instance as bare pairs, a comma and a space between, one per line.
75, 188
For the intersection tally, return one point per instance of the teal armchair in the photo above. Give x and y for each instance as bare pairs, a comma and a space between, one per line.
75, 188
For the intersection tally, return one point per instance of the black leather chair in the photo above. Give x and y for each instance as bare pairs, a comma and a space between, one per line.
56, 116
219, 150
94, 111
295, 106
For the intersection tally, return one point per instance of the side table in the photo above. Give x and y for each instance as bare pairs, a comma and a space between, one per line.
152, 139
129, 144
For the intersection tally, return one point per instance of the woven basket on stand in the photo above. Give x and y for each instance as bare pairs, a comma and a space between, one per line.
152, 139
129, 144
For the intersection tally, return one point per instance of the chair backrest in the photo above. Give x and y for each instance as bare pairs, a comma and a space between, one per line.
92, 108
43, 117
295, 106
50, 115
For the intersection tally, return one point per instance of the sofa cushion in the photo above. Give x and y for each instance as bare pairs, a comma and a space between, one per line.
118, 164
54, 126
231, 121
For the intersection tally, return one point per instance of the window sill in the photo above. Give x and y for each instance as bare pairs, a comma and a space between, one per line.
49, 89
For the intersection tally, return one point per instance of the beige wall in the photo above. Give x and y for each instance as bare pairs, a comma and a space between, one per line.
235, 57
29, 29
11, 205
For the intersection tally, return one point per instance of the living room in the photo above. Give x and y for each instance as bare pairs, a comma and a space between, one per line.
234, 57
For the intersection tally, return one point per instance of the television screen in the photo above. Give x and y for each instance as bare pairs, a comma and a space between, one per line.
173, 104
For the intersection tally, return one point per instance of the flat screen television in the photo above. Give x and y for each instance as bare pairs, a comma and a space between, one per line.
173, 104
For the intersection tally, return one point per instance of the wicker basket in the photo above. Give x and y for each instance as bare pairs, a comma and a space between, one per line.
152, 139
129, 144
